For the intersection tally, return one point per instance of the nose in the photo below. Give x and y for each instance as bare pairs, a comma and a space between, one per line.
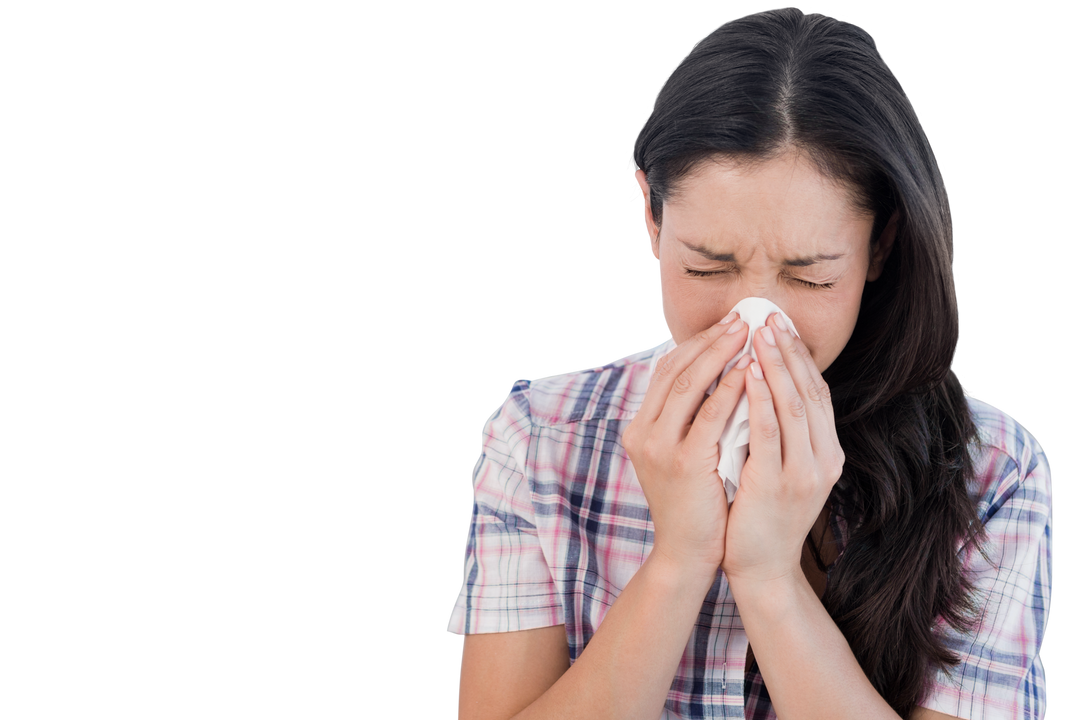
770, 297
762, 294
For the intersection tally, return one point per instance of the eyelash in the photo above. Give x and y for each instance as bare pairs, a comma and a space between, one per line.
708, 273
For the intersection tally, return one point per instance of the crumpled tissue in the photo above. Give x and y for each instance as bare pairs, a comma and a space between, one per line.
735, 440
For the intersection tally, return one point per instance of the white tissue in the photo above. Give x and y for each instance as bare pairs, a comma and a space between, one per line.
735, 440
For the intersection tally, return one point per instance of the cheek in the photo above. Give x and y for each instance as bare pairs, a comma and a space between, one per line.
826, 332
819, 346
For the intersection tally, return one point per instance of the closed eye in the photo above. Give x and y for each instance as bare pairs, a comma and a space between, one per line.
710, 273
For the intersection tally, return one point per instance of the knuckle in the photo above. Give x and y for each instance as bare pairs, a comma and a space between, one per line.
832, 466
684, 383
771, 430
650, 452
664, 366
838, 462
709, 412
797, 408
826, 392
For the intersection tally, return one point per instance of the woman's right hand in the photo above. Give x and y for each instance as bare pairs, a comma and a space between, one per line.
673, 443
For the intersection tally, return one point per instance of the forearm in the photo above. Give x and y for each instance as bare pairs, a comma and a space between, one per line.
628, 665
803, 657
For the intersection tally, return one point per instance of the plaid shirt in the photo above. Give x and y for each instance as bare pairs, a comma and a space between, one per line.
560, 525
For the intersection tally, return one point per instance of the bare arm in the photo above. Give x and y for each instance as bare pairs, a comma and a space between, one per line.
803, 657
503, 673
624, 672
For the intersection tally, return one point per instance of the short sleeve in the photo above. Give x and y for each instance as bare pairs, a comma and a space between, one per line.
1000, 675
508, 585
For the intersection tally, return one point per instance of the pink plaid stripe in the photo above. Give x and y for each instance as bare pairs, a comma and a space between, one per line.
560, 525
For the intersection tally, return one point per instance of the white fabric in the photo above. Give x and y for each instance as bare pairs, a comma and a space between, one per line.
735, 440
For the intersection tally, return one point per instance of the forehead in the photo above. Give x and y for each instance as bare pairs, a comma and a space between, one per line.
783, 205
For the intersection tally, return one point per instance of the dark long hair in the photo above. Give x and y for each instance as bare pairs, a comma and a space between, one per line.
782, 80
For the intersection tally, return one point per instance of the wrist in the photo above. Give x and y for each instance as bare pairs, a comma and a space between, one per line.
773, 596
680, 575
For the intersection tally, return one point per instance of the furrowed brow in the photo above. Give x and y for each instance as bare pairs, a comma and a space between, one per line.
730, 257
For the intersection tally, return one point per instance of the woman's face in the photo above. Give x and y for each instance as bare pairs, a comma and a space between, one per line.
776, 229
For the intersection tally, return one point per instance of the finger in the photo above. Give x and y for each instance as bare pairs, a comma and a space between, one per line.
822, 386
712, 417
764, 426
800, 365
669, 367
788, 404
811, 386
688, 389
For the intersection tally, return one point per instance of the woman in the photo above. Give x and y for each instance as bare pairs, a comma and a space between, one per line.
887, 551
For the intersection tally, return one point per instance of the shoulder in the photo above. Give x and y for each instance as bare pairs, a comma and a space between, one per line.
611, 391
1007, 458
1001, 433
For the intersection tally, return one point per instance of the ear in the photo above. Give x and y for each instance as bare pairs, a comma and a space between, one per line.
650, 223
883, 248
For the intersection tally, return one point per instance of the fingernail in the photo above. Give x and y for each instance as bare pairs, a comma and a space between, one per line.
756, 369
743, 362
735, 327
729, 317
780, 324
766, 333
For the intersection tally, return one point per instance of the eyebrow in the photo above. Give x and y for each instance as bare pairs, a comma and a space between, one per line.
793, 262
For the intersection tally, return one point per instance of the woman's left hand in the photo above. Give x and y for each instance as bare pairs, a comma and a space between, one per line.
795, 459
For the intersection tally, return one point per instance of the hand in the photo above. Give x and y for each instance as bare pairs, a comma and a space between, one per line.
795, 459
673, 443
